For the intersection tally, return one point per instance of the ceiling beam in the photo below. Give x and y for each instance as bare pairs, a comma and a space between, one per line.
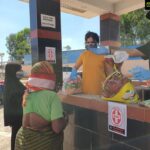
92, 8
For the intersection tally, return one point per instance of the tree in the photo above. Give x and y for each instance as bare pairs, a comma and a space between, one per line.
67, 47
18, 44
134, 28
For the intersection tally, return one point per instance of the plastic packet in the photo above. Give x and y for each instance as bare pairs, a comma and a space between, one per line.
120, 56
72, 86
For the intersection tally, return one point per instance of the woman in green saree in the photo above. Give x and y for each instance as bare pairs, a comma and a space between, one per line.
43, 119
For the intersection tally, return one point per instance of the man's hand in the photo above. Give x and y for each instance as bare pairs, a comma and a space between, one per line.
73, 75
140, 73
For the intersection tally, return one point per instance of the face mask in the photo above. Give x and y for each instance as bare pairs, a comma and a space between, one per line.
93, 45
21, 74
99, 51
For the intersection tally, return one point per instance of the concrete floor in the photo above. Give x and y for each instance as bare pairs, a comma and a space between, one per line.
5, 133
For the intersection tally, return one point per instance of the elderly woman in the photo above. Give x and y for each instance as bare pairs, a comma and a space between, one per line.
43, 119
13, 93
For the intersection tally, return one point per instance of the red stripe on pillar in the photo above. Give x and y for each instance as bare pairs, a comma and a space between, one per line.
110, 16
111, 43
44, 34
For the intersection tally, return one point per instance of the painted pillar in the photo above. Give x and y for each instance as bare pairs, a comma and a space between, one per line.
109, 30
45, 25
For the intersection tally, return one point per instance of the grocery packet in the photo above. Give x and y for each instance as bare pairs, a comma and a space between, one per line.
72, 86
116, 86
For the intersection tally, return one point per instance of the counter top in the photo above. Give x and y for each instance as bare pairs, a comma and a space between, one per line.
94, 102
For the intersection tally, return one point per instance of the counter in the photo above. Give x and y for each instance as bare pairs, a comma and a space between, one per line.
87, 127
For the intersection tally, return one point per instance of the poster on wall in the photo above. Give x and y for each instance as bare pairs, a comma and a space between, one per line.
117, 118
50, 54
48, 21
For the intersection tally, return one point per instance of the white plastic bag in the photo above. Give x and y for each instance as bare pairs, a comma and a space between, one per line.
72, 86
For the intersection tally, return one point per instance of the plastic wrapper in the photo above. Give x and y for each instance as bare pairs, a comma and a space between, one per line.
120, 56
72, 86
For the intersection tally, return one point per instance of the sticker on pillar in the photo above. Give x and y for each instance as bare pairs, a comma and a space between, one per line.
117, 118
48, 21
50, 54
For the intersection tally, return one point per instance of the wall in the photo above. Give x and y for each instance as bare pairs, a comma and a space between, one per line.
87, 130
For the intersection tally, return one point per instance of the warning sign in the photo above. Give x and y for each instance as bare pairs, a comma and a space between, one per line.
48, 21
50, 54
117, 118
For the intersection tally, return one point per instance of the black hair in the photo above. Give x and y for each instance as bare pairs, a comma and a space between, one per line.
93, 35
11, 69
11, 81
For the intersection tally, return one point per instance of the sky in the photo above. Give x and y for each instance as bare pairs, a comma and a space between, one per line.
14, 16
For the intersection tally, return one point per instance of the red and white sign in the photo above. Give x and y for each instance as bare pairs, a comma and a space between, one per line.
117, 118
50, 54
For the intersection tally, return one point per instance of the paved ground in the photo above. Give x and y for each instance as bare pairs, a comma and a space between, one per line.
5, 133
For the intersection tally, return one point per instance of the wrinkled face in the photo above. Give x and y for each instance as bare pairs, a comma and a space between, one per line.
90, 43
